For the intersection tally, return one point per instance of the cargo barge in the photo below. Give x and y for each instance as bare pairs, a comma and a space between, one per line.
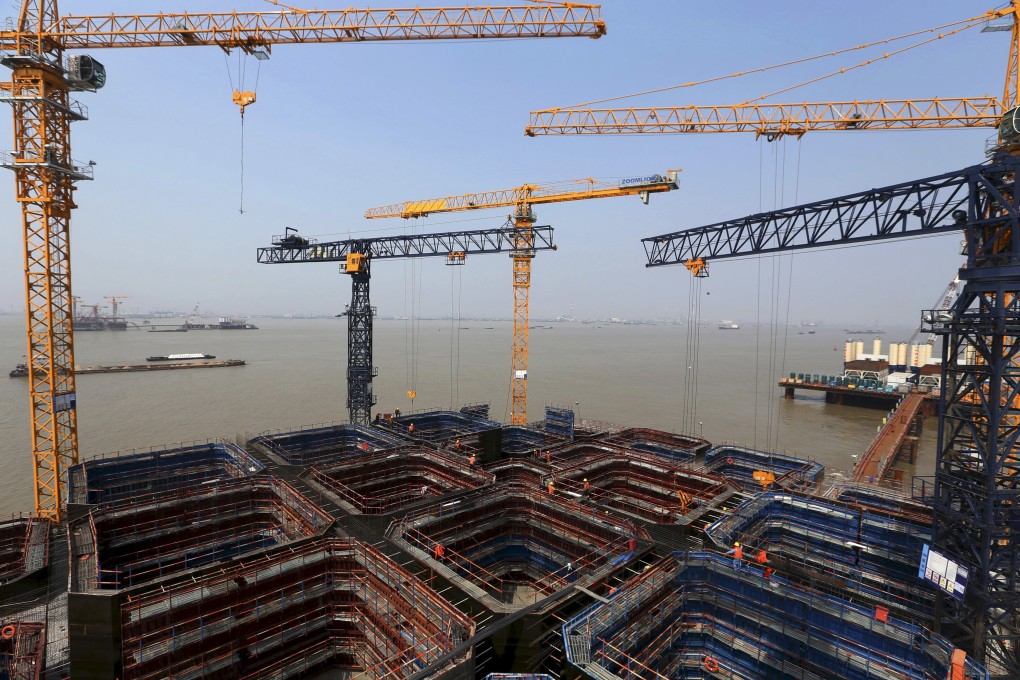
180, 357
21, 370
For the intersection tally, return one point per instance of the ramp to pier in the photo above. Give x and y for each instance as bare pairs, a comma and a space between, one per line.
881, 454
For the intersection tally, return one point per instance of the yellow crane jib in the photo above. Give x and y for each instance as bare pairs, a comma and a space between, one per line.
522, 199
698, 267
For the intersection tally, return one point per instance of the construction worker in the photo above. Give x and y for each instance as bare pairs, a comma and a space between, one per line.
457, 445
738, 555
550, 487
410, 428
586, 486
364, 446
548, 458
762, 558
471, 460
440, 551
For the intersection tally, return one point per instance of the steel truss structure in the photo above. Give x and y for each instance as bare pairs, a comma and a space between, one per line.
976, 500
452, 245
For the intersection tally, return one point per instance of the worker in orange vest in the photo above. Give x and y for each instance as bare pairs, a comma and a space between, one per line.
440, 552
471, 460
457, 445
587, 486
738, 555
763, 559
550, 487
410, 428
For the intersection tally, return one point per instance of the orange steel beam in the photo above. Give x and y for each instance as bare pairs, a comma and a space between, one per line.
772, 120
45, 174
522, 198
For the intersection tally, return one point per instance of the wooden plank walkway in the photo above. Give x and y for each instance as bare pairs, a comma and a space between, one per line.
882, 452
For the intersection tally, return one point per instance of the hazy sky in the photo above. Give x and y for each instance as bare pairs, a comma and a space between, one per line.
341, 128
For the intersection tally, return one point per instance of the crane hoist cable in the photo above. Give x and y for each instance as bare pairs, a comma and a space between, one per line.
962, 24
412, 320
456, 299
243, 98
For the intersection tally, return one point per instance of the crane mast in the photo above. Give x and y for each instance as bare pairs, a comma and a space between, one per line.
521, 199
355, 257
45, 174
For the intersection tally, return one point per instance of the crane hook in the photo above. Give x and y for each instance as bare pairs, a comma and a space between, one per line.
243, 99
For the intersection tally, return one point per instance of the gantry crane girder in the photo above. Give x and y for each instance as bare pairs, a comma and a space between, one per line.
912, 209
976, 498
356, 255
40, 93
521, 199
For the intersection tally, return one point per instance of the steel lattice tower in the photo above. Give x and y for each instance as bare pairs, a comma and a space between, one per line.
977, 476
360, 398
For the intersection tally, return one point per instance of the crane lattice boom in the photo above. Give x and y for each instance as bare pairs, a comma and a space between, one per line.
248, 30
772, 120
529, 194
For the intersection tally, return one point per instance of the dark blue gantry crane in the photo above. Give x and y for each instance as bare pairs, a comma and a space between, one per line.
976, 498
355, 257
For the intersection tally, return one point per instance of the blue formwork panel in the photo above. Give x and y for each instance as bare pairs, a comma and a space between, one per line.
704, 608
122, 477
876, 554
559, 421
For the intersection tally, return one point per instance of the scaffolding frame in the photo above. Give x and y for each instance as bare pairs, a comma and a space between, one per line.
132, 476
119, 544
381, 482
867, 552
694, 616
514, 535
324, 444
327, 601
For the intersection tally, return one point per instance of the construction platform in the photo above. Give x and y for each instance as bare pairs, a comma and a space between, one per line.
454, 550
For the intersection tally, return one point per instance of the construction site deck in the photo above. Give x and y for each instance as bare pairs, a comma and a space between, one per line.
442, 544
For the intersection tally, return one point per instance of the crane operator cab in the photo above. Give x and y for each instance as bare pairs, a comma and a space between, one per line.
1009, 130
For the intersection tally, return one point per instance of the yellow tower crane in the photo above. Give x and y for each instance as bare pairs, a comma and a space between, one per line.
40, 93
522, 198
115, 301
776, 120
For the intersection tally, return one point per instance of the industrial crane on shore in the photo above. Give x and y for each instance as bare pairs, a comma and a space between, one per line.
521, 199
355, 257
45, 173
